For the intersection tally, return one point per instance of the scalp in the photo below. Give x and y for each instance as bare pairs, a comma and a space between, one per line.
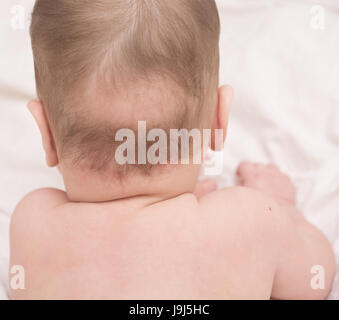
84, 49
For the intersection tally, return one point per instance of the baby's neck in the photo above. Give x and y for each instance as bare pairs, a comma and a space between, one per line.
93, 187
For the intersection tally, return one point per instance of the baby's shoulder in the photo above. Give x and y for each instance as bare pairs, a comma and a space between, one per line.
31, 213
236, 199
38, 202
241, 210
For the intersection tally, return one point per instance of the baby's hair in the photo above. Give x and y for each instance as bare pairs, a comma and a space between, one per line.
83, 47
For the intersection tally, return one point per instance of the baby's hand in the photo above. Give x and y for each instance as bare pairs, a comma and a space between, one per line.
268, 179
204, 187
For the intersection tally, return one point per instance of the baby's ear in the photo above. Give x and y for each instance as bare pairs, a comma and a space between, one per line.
37, 110
221, 117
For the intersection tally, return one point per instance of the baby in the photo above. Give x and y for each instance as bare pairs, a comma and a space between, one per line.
148, 230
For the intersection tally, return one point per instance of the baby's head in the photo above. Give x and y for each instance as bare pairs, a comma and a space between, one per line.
104, 65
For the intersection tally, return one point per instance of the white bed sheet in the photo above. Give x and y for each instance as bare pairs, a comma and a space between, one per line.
286, 109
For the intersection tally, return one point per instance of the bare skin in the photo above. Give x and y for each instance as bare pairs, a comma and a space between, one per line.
235, 243
155, 238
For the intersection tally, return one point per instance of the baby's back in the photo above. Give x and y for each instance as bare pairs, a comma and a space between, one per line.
175, 249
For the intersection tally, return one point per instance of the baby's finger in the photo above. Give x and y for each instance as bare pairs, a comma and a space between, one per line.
272, 167
259, 166
244, 169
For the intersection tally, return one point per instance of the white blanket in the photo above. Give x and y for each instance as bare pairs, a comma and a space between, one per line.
283, 64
